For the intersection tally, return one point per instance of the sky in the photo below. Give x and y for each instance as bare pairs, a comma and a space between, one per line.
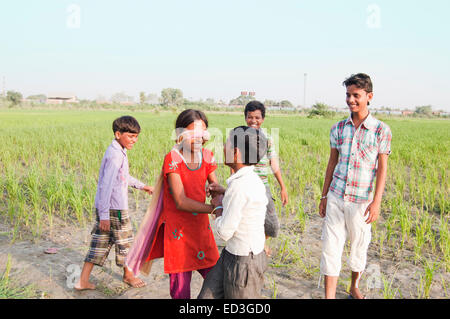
216, 49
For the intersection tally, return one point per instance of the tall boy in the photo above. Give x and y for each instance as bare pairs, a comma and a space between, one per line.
239, 271
113, 225
357, 144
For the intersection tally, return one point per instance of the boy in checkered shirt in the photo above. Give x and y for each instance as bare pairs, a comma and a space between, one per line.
360, 146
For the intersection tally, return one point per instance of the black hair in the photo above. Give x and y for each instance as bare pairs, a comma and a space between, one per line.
126, 124
253, 106
251, 142
361, 80
189, 116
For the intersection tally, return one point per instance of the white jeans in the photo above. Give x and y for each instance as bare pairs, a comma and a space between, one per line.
344, 219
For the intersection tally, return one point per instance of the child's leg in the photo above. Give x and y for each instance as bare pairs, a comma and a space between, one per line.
83, 283
99, 248
354, 288
212, 287
271, 224
330, 283
131, 279
123, 238
204, 272
180, 285
244, 276
333, 241
360, 236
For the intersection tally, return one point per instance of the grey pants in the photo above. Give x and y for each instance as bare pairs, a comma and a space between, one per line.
271, 224
235, 277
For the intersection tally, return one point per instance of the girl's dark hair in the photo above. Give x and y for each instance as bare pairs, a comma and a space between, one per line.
126, 124
361, 80
188, 116
253, 106
251, 142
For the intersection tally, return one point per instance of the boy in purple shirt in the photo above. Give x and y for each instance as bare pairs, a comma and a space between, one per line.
113, 225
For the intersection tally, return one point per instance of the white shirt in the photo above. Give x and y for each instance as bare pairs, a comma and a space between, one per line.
244, 210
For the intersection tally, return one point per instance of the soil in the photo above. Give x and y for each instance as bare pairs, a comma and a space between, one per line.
52, 275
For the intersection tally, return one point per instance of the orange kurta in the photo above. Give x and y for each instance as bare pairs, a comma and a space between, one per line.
185, 239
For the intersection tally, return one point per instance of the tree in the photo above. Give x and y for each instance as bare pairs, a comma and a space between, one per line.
171, 97
121, 97
142, 97
152, 98
270, 103
242, 100
37, 98
286, 103
424, 110
14, 97
210, 101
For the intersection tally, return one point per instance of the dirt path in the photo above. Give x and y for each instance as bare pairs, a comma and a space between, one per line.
293, 273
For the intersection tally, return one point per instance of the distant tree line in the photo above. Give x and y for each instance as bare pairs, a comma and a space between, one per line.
173, 97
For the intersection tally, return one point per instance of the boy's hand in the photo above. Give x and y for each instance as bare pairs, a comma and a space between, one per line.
323, 207
373, 210
148, 189
284, 196
214, 189
217, 200
219, 212
104, 225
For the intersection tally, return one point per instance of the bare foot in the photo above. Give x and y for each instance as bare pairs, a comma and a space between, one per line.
134, 282
84, 286
356, 294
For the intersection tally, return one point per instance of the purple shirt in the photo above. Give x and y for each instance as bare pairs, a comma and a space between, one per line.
113, 181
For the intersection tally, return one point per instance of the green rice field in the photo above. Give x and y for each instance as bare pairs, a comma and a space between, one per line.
49, 164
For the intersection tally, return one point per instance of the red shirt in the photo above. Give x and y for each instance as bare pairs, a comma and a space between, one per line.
186, 241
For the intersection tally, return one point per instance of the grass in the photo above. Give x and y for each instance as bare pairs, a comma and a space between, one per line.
10, 290
388, 291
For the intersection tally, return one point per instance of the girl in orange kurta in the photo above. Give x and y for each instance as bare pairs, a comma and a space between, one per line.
184, 236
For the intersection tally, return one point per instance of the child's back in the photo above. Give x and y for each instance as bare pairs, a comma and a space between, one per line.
246, 201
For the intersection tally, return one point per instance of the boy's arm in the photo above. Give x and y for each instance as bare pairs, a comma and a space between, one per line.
228, 222
135, 183
332, 162
275, 166
374, 208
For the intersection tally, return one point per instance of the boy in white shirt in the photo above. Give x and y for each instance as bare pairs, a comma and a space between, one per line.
239, 272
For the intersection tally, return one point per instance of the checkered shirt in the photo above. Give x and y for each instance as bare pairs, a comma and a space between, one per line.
358, 156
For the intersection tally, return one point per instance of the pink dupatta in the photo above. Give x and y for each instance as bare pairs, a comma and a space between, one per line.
139, 251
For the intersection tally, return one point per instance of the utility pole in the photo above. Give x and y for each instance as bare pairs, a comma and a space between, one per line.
304, 90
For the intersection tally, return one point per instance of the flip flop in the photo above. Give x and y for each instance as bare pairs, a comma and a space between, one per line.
51, 251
